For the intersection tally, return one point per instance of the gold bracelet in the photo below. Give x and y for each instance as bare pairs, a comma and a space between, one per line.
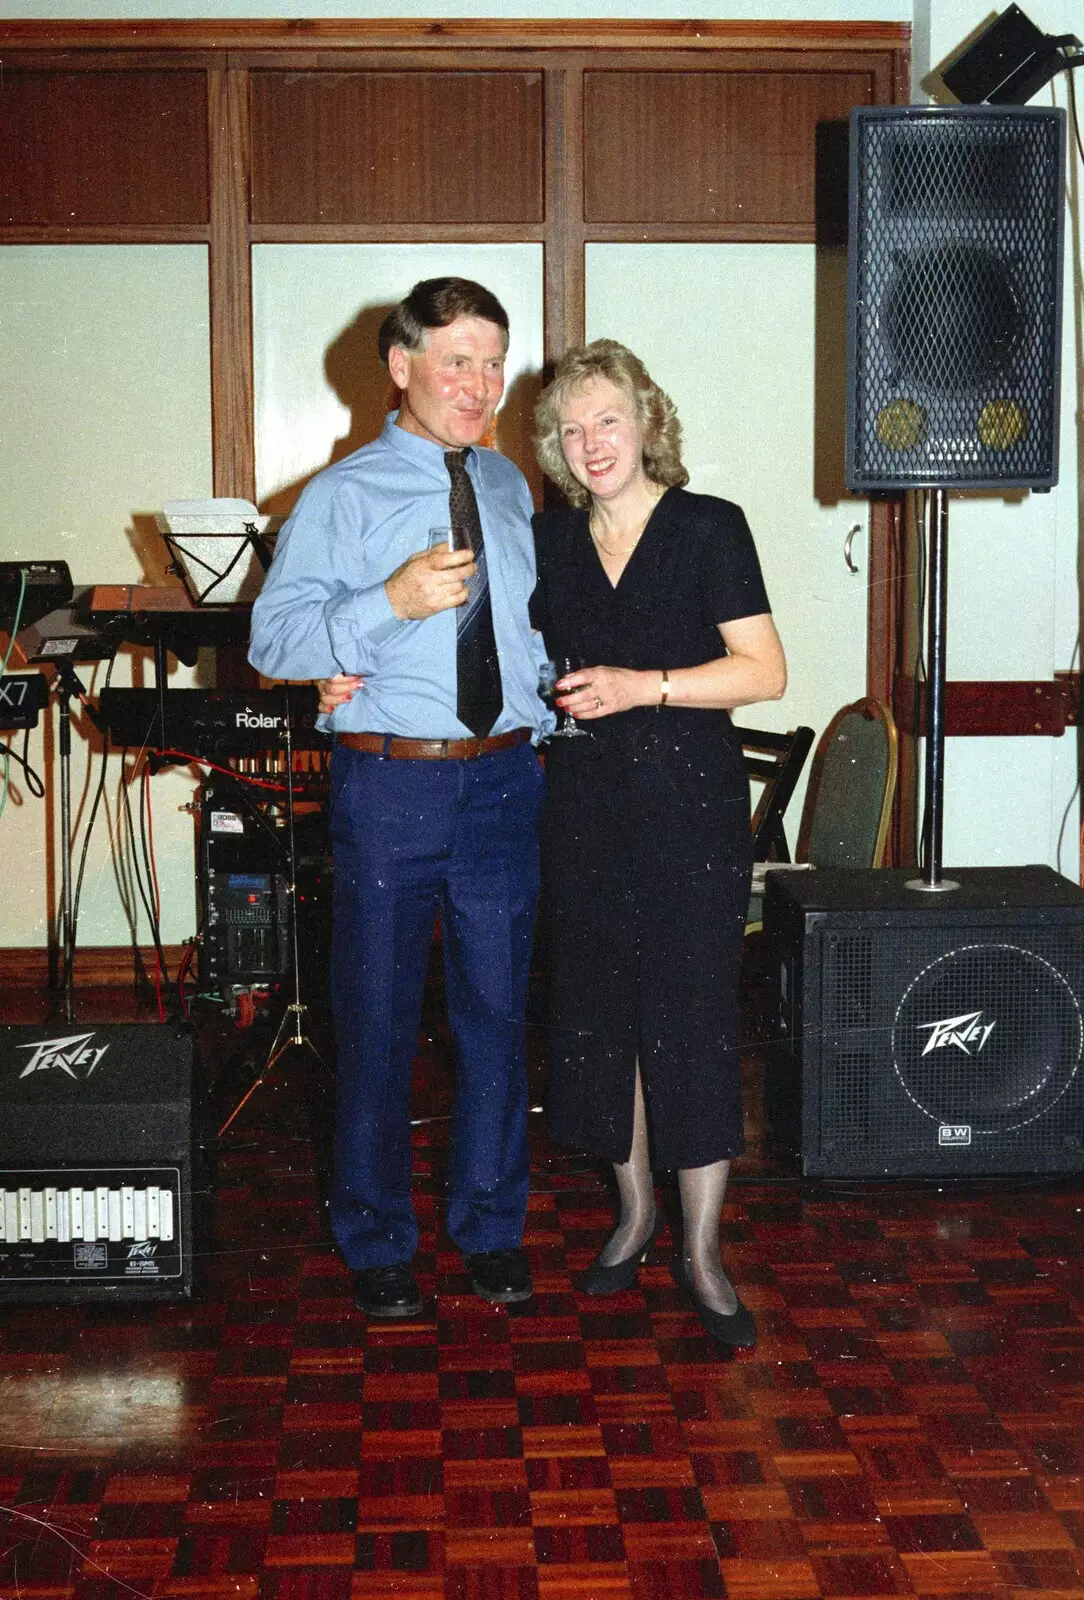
665, 686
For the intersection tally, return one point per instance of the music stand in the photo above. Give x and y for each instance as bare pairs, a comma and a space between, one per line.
296, 1010
220, 549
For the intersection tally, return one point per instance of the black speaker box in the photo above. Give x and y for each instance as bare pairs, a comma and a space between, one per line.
1008, 63
954, 297
927, 1034
96, 1162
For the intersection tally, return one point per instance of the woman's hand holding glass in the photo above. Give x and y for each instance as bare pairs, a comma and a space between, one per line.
590, 692
550, 676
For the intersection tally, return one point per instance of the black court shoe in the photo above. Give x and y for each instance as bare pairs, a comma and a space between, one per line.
736, 1330
600, 1279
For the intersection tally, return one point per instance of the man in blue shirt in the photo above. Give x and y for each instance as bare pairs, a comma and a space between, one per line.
435, 787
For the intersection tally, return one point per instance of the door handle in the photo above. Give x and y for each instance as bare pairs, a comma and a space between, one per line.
847, 543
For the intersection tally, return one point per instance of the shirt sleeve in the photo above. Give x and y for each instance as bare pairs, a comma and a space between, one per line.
732, 585
307, 621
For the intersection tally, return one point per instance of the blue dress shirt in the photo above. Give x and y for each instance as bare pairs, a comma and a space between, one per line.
323, 608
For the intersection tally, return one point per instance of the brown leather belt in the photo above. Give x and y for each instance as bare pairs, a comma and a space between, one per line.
397, 749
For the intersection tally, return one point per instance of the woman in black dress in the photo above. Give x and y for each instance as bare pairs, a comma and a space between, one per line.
657, 594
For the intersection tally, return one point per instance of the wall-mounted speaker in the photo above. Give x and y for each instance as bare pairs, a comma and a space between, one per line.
927, 1035
954, 297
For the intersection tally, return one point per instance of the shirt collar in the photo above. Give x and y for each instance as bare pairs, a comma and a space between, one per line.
422, 452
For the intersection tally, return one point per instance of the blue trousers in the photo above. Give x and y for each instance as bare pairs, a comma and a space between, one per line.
412, 839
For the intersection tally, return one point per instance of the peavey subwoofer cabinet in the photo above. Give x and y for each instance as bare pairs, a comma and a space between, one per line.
96, 1162
923, 1034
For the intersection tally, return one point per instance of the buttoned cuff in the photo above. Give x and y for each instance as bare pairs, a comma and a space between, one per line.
357, 626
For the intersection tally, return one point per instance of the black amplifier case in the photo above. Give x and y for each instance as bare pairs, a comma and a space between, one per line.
96, 1115
927, 1034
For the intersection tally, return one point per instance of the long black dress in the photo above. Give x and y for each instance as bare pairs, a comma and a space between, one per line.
646, 845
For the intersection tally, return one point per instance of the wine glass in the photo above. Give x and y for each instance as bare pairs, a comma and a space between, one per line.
445, 537
548, 674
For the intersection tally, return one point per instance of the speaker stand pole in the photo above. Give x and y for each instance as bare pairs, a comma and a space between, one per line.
937, 519
290, 1034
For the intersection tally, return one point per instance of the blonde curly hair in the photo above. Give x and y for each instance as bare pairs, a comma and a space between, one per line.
654, 410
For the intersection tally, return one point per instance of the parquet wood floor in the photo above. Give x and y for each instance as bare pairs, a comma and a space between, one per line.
910, 1423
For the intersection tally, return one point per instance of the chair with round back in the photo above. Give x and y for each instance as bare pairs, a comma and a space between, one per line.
848, 801
852, 783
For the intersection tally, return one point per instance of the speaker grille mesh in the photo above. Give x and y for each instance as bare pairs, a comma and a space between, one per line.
988, 1035
955, 299
977, 1045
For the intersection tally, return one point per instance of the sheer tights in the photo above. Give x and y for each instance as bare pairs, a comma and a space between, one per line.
702, 1191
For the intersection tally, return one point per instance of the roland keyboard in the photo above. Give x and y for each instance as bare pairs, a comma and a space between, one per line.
212, 722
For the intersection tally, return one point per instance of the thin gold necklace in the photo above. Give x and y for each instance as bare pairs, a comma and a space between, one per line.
622, 549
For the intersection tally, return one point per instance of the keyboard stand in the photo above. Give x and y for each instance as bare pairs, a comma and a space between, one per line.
293, 1018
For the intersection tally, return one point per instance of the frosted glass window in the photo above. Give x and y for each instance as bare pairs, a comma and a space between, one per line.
105, 409
321, 390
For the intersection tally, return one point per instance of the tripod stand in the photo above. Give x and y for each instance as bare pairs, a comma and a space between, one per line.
290, 1034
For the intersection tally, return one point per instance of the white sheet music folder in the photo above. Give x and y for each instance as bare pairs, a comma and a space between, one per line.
220, 548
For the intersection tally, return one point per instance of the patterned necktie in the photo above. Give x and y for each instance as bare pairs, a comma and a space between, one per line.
479, 696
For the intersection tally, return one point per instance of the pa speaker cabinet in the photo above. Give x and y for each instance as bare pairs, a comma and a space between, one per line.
928, 1034
96, 1162
954, 296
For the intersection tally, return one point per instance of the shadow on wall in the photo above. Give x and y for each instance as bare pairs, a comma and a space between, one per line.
515, 428
150, 548
157, 570
361, 384
933, 84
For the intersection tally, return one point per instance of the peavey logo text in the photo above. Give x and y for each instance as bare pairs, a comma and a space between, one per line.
74, 1055
143, 1251
967, 1032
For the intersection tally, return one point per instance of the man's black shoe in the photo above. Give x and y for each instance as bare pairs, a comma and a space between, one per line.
387, 1291
500, 1275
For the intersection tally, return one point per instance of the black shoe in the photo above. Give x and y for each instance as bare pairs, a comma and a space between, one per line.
600, 1279
500, 1275
387, 1291
736, 1330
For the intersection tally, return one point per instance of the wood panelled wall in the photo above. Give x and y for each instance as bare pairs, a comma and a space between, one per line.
232, 134
349, 149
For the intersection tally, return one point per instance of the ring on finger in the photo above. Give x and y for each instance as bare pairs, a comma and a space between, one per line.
598, 703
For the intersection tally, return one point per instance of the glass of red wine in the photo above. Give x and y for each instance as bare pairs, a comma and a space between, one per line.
548, 674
